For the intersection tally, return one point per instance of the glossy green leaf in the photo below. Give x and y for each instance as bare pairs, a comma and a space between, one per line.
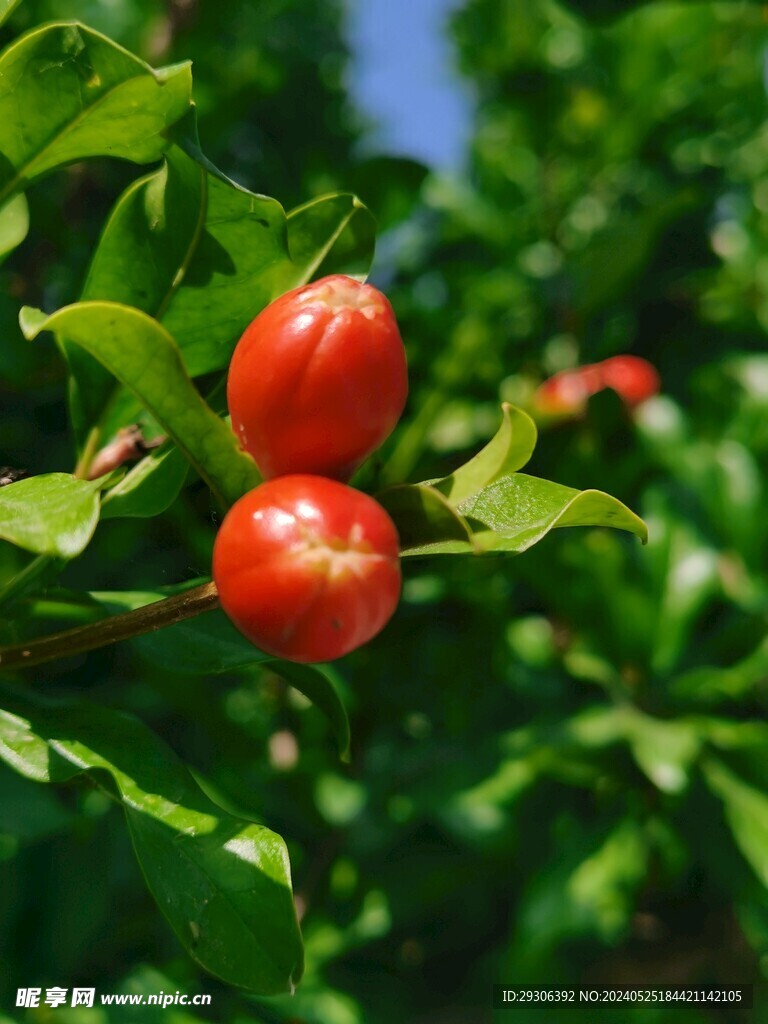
143, 356
223, 884
746, 809
509, 515
518, 510
107, 103
509, 450
425, 521
14, 224
53, 514
485, 505
149, 488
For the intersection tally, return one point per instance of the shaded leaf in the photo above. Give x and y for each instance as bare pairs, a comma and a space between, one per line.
141, 354
27, 812
149, 488
223, 884
53, 514
209, 645
317, 686
206, 645
108, 103
426, 523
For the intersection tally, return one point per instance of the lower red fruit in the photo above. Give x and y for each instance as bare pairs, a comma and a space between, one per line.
307, 568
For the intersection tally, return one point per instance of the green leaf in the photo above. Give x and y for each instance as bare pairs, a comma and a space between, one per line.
509, 515
53, 514
485, 505
141, 354
149, 488
425, 521
317, 686
713, 684
14, 224
518, 510
334, 234
223, 884
505, 453
664, 750
107, 103
7, 7
746, 809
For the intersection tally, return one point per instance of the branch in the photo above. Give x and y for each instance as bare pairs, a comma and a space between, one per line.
151, 617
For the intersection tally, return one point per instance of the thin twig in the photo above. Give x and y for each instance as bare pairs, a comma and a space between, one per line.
111, 630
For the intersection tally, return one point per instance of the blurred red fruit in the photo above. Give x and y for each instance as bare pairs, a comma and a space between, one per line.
566, 393
631, 377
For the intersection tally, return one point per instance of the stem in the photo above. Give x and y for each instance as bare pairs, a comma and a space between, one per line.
85, 460
109, 631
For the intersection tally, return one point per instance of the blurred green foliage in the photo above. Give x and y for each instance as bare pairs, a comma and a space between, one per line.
558, 762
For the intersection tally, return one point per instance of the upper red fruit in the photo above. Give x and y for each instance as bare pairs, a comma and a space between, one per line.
307, 568
318, 380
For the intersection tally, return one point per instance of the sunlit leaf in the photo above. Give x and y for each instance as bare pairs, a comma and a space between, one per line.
505, 453
223, 884
14, 224
107, 103
518, 510
509, 515
141, 354
52, 514
7, 7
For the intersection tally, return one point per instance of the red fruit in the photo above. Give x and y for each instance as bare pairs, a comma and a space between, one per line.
318, 380
631, 377
307, 568
567, 392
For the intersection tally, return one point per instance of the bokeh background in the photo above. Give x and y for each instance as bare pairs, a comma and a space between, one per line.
560, 767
